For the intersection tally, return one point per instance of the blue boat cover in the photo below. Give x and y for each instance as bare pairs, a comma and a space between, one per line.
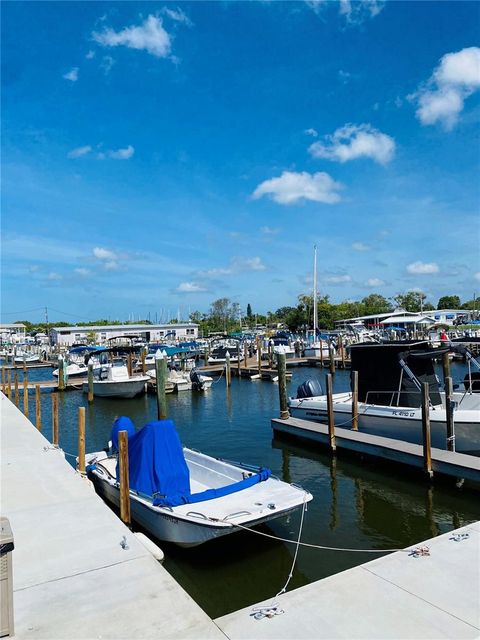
121, 424
157, 466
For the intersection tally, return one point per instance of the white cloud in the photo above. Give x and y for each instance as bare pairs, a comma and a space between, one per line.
122, 154
477, 275
71, 75
248, 264
104, 254
34, 268
190, 287
358, 11
422, 268
107, 64
54, 276
360, 246
79, 151
178, 16
214, 273
441, 99
311, 132
338, 279
355, 141
111, 265
82, 271
293, 187
374, 282
150, 37
269, 231
90, 55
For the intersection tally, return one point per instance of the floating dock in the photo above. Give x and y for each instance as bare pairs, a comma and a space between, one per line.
447, 463
401, 596
73, 578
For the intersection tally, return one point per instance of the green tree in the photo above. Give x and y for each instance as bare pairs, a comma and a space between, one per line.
249, 311
411, 301
375, 303
449, 302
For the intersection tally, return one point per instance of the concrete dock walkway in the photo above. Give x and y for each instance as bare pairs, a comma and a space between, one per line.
72, 577
398, 596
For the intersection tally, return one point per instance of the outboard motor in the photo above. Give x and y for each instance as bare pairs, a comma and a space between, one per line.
309, 389
195, 380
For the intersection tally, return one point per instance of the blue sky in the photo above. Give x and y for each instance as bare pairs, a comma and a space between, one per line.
158, 156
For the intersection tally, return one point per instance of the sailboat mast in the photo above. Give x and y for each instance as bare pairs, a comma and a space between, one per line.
315, 319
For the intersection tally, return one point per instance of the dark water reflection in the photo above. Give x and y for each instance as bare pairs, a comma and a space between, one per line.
357, 504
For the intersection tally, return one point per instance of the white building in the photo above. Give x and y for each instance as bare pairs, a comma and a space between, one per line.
12, 333
67, 336
403, 318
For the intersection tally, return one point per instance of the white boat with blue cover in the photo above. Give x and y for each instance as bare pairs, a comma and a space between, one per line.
186, 497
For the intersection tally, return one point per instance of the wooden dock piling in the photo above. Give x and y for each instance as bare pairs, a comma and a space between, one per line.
239, 362
228, 372
61, 374
331, 415
282, 385
331, 355
38, 407
144, 367
355, 400
81, 440
90, 382
25, 394
427, 453
3, 381
449, 411
124, 477
321, 353
161, 377
259, 354
446, 366
17, 395
9, 384
55, 419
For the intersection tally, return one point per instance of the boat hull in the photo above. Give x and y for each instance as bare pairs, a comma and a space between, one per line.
114, 389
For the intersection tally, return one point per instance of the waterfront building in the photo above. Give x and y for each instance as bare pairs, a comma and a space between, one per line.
100, 334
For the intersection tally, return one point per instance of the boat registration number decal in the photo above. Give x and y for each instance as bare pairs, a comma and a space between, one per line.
171, 519
405, 414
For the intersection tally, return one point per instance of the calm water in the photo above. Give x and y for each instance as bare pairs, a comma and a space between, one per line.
356, 504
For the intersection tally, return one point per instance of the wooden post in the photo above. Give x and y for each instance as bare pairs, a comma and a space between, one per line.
332, 359
355, 400
331, 416
81, 439
124, 476
270, 354
55, 419
446, 366
239, 361
38, 407
24, 366
259, 354
90, 382
9, 383
144, 366
17, 396
321, 353
427, 454
245, 354
228, 372
449, 413
61, 374
129, 364
25, 395
3, 380
282, 385
161, 377
342, 350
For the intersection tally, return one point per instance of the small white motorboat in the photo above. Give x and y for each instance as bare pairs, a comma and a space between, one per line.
74, 369
113, 381
186, 497
199, 381
27, 358
177, 380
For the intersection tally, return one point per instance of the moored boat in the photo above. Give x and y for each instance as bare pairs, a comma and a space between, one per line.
112, 380
184, 496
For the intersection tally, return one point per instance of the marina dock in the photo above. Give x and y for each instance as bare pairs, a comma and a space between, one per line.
400, 596
73, 578
447, 463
